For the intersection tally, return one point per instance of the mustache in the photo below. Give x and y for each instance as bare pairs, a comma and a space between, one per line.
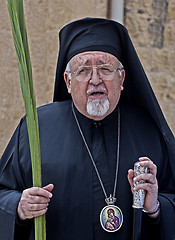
97, 88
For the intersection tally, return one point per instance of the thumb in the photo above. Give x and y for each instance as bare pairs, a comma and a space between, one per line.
49, 187
130, 177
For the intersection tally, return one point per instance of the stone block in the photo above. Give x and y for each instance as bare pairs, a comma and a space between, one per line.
7, 50
144, 56
172, 60
132, 4
163, 85
38, 51
65, 11
171, 10
8, 84
169, 34
155, 31
146, 7
137, 26
4, 17
160, 59
35, 15
160, 9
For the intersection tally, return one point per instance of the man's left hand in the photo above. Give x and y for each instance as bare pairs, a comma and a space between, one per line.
151, 184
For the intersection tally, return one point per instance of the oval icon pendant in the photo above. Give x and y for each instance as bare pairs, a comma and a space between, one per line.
111, 218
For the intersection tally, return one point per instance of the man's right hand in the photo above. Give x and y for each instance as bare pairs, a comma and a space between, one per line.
34, 202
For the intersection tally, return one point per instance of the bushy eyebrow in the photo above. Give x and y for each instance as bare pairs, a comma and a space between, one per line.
87, 61
100, 61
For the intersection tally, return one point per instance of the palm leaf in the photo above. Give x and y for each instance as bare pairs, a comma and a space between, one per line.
17, 19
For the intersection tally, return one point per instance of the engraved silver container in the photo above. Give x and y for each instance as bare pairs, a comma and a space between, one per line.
139, 196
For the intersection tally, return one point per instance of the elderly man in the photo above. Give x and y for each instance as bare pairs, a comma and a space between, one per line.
104, 118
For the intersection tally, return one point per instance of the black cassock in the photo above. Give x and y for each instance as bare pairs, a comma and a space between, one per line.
77, 194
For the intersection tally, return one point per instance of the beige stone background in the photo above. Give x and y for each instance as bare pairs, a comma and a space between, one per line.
151, 24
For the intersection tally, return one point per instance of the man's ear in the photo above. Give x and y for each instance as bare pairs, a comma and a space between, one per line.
67, 81
122, 78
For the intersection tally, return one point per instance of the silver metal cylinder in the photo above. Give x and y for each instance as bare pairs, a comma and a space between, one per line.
139, 196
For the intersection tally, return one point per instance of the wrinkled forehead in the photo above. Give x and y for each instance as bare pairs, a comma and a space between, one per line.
94, 57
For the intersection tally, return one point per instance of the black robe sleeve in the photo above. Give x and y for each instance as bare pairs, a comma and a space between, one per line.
9, 196
163, 228
167, 216
11, 184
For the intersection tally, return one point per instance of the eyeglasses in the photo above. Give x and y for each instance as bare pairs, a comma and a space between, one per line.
106, 72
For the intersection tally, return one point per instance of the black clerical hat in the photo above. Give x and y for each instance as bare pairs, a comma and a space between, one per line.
88, 34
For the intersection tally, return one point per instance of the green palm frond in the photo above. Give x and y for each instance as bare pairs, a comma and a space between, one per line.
17, 19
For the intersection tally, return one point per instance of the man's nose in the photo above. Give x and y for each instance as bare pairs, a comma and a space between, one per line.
95, 77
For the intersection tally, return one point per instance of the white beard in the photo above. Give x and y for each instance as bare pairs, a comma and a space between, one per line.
97, 107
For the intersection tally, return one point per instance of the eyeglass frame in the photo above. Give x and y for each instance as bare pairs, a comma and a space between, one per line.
96, 66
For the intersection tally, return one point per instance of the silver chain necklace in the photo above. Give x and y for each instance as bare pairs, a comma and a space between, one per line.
111, 217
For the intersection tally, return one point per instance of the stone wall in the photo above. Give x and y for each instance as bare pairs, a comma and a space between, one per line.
44, 18
151, 24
